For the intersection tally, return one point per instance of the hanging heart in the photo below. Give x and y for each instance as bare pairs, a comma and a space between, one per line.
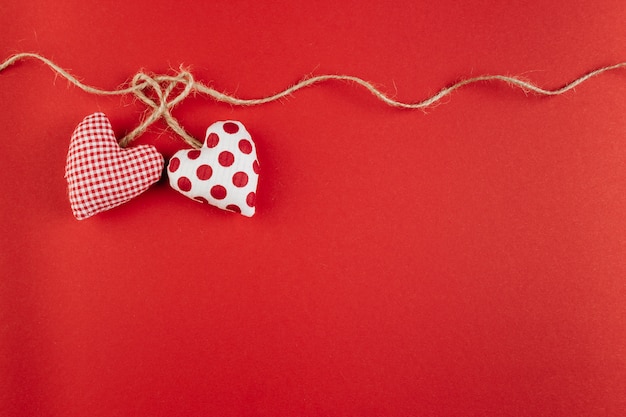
223, 173
102, 175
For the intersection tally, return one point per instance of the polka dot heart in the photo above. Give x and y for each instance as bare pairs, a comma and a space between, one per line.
223, 173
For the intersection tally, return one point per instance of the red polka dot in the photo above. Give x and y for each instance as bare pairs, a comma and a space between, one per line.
201, 199
226, 159
218, 192
230, 127
212, 140
240, 179
233, 207
194, 154
255, 167
245, 146
174, 164
204, 172
184, 184
251, 199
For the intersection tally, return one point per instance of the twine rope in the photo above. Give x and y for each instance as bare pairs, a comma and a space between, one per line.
162, 92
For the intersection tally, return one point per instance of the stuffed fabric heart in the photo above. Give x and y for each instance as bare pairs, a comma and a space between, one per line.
223, 173
102, 175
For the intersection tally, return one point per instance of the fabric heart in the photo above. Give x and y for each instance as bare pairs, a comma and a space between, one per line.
223, 173
102, 175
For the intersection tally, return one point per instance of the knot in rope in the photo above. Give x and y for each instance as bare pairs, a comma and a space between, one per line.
161, 93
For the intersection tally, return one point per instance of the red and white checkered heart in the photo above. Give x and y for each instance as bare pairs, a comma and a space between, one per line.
102, 175
223, 173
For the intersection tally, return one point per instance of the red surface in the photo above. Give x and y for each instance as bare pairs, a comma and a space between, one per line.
470, 261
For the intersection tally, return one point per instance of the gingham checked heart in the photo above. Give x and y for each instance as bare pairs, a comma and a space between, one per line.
102, 175
223, 173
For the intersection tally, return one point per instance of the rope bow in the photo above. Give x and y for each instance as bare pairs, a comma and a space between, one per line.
162, 86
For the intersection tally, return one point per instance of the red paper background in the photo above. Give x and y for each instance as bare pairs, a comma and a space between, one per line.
470, 261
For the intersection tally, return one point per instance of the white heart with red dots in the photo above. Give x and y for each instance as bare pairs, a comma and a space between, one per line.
223, 173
